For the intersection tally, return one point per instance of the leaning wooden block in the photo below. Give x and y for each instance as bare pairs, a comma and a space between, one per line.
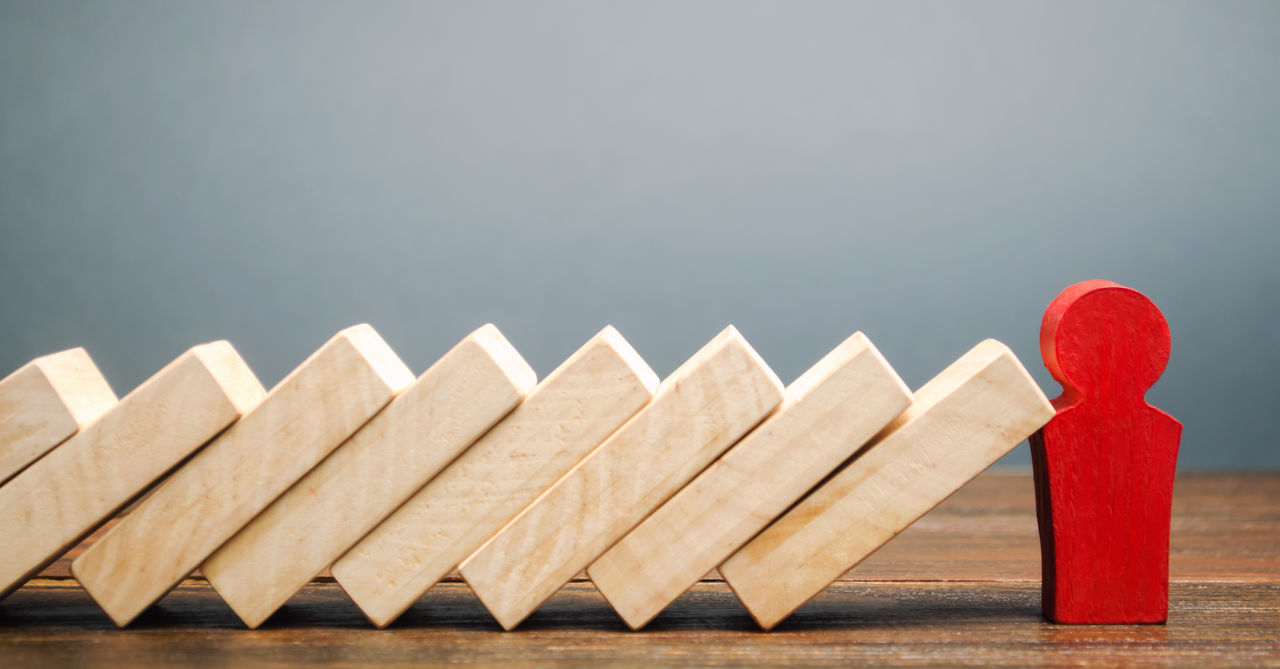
455, 401
563, 418
719, 394
959, 423
65, 495
308, 414
44, 402
826, 416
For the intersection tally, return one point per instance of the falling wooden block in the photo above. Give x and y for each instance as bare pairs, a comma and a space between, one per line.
65, 495
454, 402
308, 414
958, 424
569, 413
826, 415
1104, 465
46, 401
707, 404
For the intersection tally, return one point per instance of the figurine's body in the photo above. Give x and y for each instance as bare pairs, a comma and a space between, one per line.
1104, 465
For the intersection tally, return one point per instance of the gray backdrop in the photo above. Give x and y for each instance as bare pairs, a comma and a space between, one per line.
929, 173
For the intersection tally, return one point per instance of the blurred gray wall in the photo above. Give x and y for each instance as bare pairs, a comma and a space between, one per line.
929, 173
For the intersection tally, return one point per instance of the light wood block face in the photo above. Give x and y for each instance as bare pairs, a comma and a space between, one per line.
569, 413
46, 401
826, 416
707, 404
308, 414
66, 494
454, 402
959, 423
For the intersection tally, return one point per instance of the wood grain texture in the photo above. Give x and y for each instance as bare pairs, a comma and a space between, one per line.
1104, 465
850, 624
1226, 528
46, 401
959, 423
326, 512
63, 496
960, 587
569, 413
308, 414
826, 415
699, 411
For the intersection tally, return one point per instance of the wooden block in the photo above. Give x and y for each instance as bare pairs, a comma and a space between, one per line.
46, 401
64, 496
454, 402
827, 415
714, 398
959, 423
1104, 465
563, 418
308, 414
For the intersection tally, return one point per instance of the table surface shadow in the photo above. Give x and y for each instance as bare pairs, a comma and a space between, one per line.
959, 587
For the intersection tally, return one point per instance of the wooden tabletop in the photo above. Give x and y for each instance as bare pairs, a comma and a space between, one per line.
960, 586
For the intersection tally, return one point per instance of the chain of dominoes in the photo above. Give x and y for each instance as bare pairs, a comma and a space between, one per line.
393, 482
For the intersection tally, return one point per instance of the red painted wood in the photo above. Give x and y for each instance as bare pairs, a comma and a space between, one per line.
1104, 465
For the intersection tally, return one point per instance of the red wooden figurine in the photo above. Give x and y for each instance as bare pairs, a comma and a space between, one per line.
1104, 465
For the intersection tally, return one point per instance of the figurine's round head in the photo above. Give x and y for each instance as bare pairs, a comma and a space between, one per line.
1099, 337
